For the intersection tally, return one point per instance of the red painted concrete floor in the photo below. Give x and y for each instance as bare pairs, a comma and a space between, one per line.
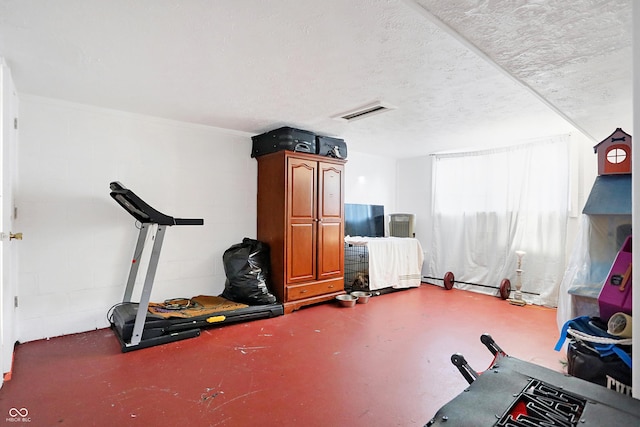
385, 363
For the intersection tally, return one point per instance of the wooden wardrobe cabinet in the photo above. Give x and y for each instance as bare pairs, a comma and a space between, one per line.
301, 217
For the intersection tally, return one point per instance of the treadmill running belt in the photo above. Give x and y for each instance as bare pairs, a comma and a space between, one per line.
199, 306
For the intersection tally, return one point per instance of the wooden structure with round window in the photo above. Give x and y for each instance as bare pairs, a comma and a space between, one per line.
614, 154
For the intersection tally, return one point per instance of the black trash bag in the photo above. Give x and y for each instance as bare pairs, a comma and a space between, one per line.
247, 266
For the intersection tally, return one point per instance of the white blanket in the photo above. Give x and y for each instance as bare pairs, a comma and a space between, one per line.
393, 261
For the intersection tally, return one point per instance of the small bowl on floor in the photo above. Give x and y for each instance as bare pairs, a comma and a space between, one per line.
363, 297
347, 300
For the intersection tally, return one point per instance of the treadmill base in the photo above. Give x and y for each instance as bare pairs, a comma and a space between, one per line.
158, 330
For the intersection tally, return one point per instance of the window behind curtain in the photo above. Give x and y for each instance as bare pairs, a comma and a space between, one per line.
488, 204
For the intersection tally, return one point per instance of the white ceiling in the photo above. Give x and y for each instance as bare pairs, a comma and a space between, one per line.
460, 73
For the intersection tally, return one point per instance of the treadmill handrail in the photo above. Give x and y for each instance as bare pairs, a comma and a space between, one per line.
189, 221
144, 213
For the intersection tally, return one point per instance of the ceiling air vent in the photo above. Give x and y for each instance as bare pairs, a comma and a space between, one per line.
365, 111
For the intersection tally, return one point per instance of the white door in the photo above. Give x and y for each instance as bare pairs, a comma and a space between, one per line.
8, 256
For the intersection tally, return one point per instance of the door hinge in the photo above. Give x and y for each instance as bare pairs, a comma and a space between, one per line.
15, 302
15, 123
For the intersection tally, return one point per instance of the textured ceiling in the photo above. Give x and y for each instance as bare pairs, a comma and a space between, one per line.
460, 74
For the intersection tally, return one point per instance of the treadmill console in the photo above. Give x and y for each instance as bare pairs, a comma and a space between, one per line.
142, 211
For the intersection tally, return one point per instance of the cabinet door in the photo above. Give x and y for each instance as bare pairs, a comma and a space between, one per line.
301, 220
330, 220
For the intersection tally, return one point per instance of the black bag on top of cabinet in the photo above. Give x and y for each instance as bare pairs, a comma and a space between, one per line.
284, 138
331, 147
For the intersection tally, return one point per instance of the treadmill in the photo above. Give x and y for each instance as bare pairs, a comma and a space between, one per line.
133, 324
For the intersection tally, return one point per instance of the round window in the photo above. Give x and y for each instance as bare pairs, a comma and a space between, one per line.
616, 155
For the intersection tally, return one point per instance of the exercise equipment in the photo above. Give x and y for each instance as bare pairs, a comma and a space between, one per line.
504, 288
132, 323
515, 393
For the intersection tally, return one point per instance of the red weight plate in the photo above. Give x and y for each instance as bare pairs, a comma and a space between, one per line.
505, 288
448, 280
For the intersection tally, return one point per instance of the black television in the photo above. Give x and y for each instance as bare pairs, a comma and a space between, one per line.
363, 220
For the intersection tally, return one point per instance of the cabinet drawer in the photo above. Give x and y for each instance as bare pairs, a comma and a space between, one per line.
296, 292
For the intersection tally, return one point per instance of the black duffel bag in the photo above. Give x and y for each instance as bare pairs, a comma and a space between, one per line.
596, 356
584, 361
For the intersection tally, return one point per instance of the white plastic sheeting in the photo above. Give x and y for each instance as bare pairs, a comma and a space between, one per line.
599, 239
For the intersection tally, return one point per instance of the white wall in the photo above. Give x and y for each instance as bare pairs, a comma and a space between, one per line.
414, 196
371, 180
78, 242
